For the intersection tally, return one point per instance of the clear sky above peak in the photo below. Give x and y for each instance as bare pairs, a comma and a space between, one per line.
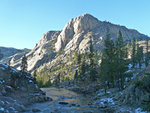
23, 22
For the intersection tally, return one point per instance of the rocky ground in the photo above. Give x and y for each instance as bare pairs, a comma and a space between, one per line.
130, 100
18, 90
106, 102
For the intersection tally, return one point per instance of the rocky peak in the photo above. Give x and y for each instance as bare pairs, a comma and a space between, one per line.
75, 33
50, 35
85, 22
77, 25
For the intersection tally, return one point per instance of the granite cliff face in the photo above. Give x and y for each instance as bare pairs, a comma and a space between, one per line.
75, 27
44, 51
6, 52
74, 36
77, 32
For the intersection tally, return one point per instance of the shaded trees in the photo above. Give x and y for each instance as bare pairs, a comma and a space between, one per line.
114, 65
139, 56
121, 63
133, 55
92, 65
147, 54
1, 55
107, 64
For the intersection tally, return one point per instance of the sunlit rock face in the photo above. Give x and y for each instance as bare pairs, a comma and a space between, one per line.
43, 51
75, 27
78, 30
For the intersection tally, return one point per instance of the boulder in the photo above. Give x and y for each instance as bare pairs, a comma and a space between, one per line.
63, 103
19, 107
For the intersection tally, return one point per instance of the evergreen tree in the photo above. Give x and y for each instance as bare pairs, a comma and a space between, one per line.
133, 56
121, 63
92, 66
35, 74
76, 75
57, 80
127, 50
77, 56
48, 83
82, 70
147, 56
139, 55
104, 71
109, 56
1, 55
114, 63
24, 64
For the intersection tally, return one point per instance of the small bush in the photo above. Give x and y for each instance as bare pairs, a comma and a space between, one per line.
146, 107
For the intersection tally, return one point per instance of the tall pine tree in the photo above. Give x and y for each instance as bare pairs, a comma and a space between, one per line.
139, 56
1, 55
109, 58
133, 55
121, 63
93, 72
24, 64
147, 56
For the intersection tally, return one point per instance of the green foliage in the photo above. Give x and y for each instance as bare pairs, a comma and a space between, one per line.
147, 54
120, 58
77, 57
144, 82
147, 73
133, 56
14, 76
127, 50
138, 82
1, 55
60, 52
92, 66
146, 107
24, 64
139, 56
34, 73
114, 63
82, 70
107, 65
76, 75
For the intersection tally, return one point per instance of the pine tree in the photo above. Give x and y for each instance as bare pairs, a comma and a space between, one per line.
24, 64
133, 56
114, 65
77, 56
82, 70
121, 63
147, 56
76, 75
127, 50
92, 66
35, 74
57, 80
109, 56
1, 55
139, 55
104, 72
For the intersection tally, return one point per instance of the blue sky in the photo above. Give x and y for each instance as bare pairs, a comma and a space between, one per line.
23, 22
